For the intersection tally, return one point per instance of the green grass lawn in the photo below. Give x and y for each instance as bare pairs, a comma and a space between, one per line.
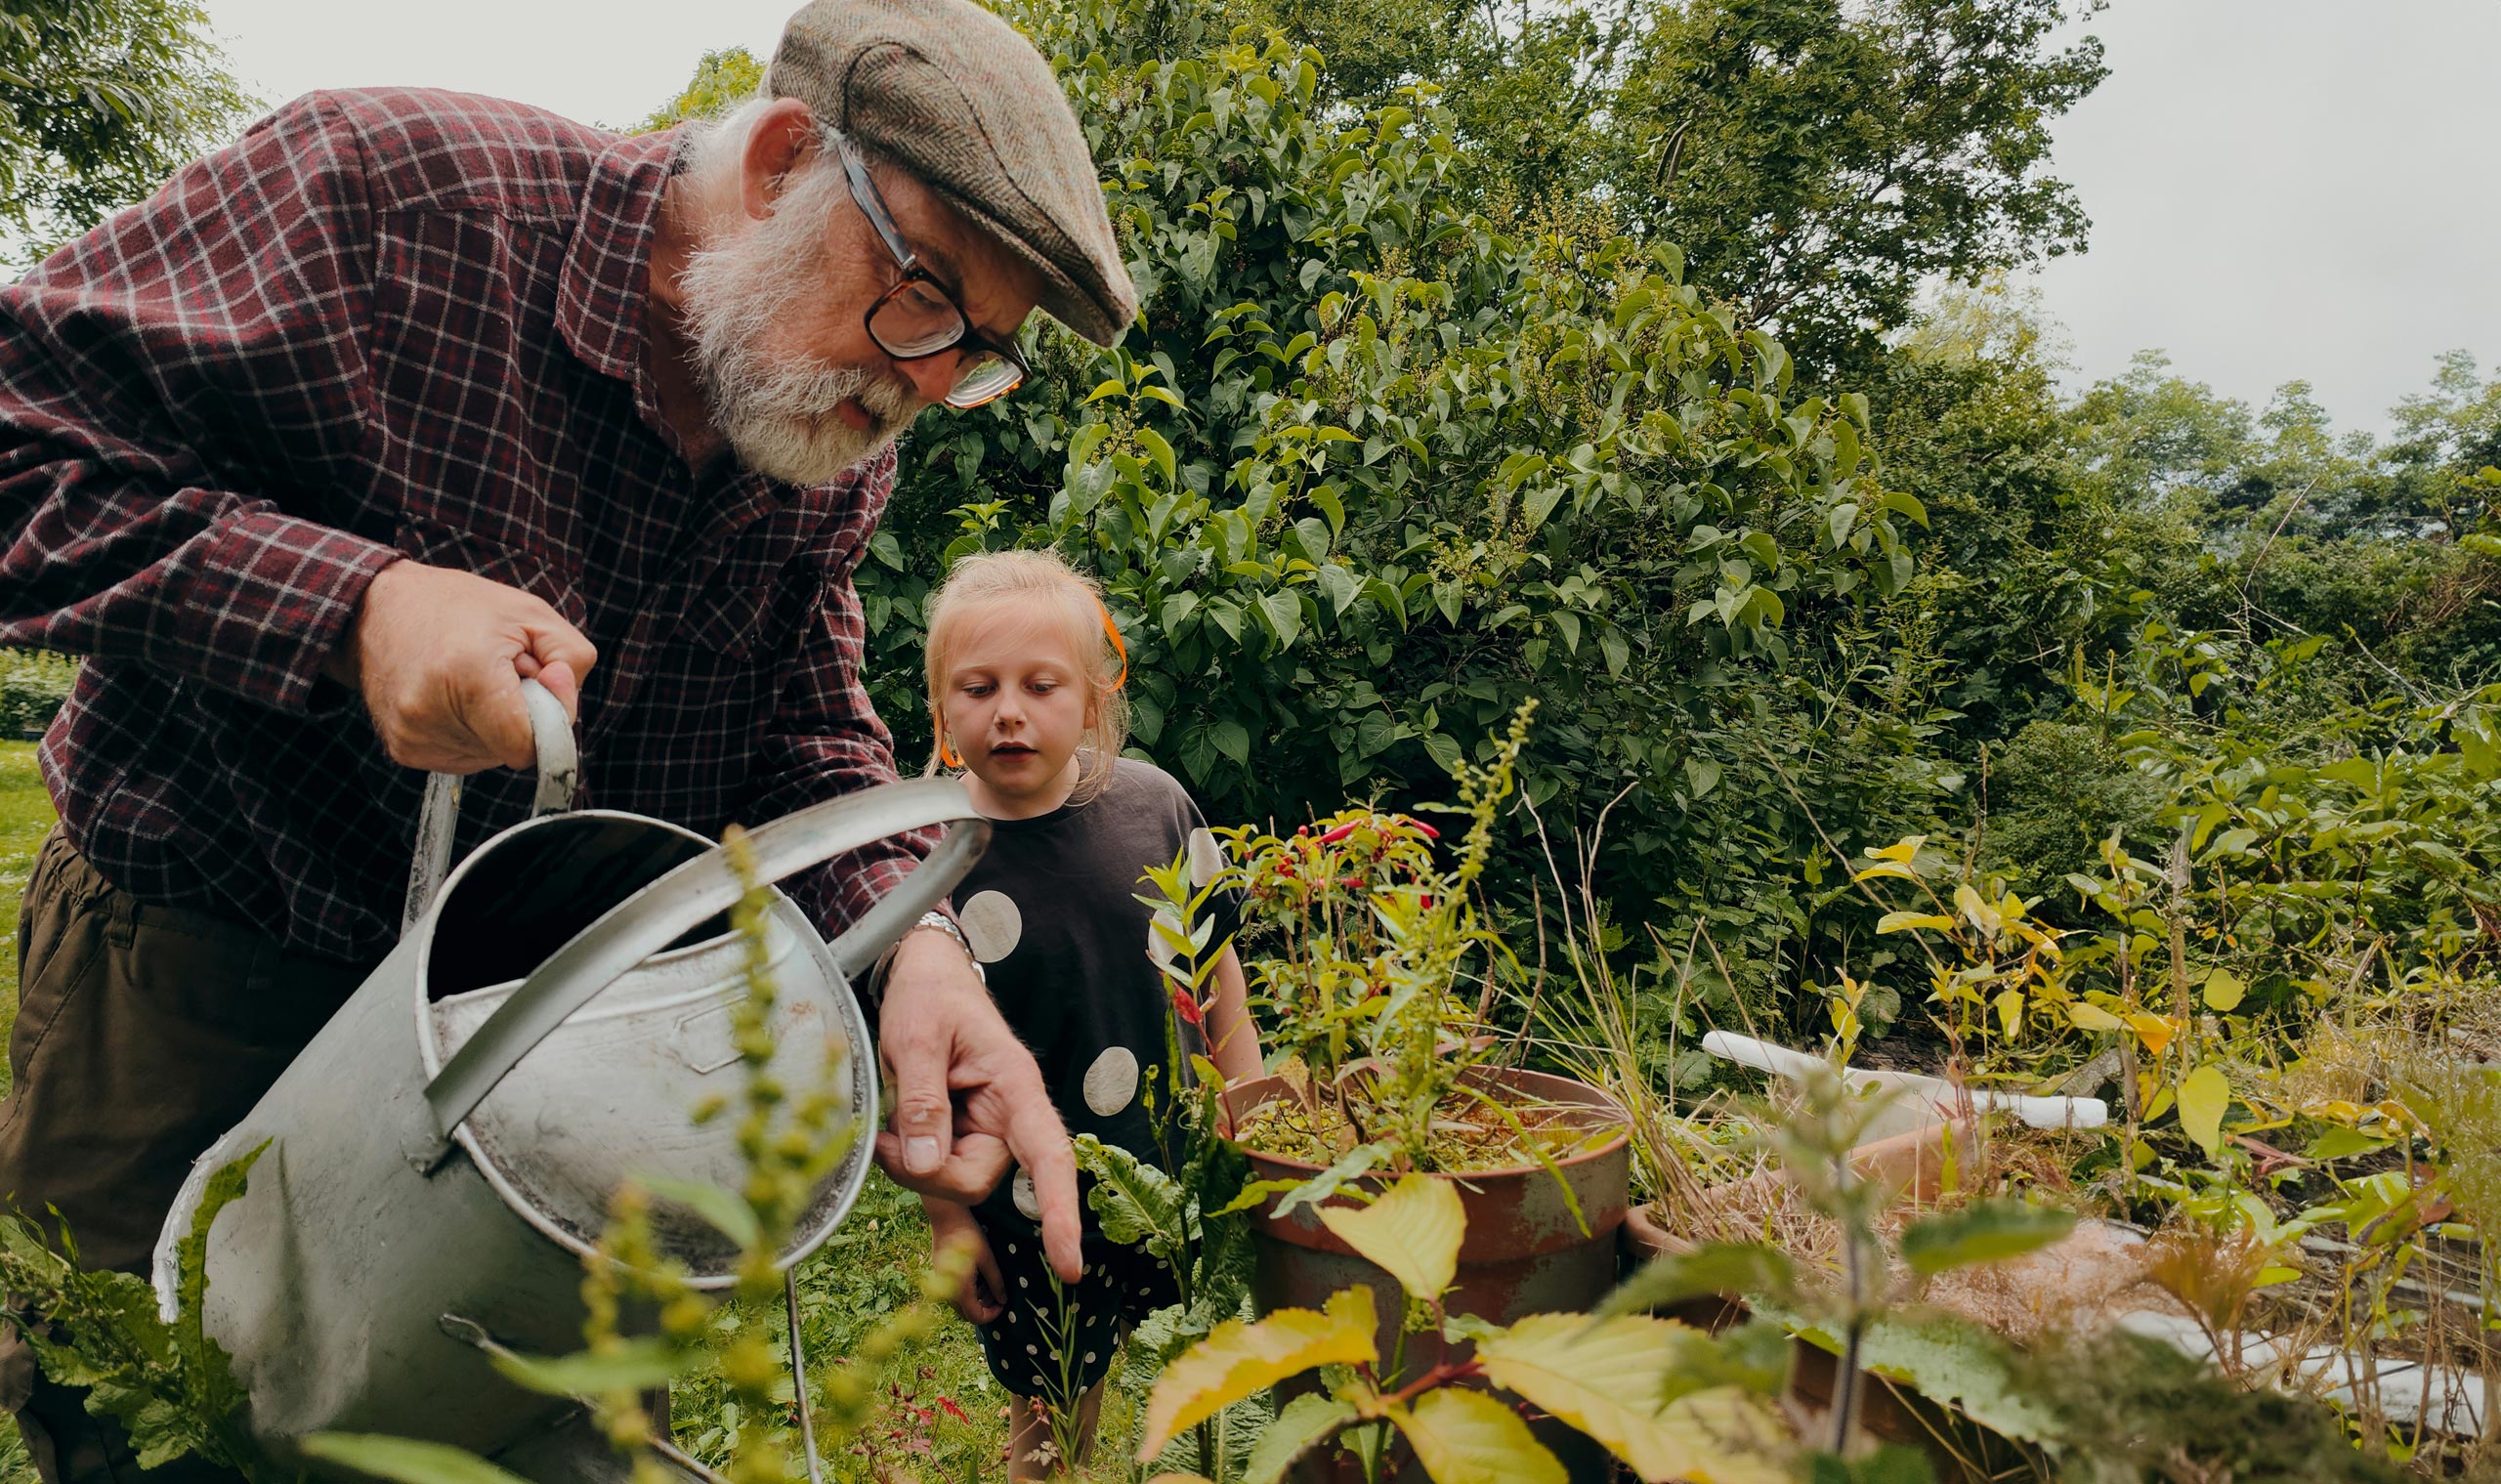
25, 813
868, 1271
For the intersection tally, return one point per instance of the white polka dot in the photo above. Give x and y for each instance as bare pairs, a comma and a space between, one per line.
1159, 947
1111, 1084
1029, 1350
1089, 1357
1022, 1192
992, 924
1207, 857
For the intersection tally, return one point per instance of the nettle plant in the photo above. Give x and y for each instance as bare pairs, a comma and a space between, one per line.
1380, 978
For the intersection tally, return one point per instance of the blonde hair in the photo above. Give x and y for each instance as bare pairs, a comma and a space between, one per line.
1044, 585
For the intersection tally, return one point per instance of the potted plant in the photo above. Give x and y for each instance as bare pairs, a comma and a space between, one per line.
1379, 971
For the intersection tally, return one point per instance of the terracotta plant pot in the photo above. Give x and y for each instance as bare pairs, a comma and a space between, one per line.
1913, 1162
1524, 1253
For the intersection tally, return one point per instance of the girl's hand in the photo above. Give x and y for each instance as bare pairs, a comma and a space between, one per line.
984, 1294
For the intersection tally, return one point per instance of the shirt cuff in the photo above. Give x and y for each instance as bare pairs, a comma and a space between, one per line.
275, 596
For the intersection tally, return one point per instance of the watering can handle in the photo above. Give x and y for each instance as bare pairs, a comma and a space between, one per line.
694, 893
559, 770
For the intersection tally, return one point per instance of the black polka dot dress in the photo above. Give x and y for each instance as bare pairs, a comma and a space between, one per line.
1052, 911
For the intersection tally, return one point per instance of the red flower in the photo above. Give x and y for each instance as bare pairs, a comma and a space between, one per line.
953, 1410
1339, 834
1187, 1008
1421, 828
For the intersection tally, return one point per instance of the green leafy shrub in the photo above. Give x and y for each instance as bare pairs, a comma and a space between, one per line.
2066, 785
33, 687
1380, 465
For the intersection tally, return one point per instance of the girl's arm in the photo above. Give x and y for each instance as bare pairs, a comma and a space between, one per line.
1233, 1039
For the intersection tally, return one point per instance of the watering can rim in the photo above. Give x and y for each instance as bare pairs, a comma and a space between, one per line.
775, 930
663, 910
430, 1056
681, 898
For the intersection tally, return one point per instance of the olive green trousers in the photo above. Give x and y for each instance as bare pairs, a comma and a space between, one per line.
143, 1034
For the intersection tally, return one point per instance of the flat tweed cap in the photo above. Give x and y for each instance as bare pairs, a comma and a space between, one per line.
954, 95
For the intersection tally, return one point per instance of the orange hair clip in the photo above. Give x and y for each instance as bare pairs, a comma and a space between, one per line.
1118, 647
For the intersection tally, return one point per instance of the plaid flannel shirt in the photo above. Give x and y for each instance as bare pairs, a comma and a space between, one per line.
385, 324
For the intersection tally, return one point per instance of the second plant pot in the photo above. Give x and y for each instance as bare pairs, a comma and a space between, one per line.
1526, 1253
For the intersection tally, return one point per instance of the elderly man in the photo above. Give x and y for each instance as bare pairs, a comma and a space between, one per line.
407, 395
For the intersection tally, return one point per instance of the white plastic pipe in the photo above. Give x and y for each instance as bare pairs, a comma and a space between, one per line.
1940, 1098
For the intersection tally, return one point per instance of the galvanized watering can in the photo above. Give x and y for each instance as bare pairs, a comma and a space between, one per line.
443, 1154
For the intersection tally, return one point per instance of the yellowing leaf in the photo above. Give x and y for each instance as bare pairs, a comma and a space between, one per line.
2153, 1030
1885, 868
1412, 1232
1606, 1378
2223, 990
1976, 910
1239, 1359
1894, 922
2092, 1017
405, 1461
2203, 1097
2010, 1010
1467, 1437
1900, 850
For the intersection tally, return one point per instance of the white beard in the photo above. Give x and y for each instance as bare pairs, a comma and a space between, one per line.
782, 417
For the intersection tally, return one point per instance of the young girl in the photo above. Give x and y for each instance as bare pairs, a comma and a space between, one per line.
1026, 672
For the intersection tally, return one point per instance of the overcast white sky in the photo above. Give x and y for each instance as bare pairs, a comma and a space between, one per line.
2287, 189
2278, 189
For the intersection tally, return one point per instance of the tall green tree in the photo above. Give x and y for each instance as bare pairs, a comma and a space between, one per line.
1818, 161
722, 81
99, 101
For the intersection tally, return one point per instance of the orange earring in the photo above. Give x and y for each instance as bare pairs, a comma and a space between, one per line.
947, 753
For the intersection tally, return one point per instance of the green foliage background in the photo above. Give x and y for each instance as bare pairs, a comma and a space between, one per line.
100, 100
1426, 413
1592, 354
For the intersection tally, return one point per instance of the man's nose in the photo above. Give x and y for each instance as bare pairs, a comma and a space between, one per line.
932, 377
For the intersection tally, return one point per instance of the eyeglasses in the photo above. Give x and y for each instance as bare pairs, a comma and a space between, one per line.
918, 318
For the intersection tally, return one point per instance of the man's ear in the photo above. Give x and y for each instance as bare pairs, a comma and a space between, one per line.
781, 139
